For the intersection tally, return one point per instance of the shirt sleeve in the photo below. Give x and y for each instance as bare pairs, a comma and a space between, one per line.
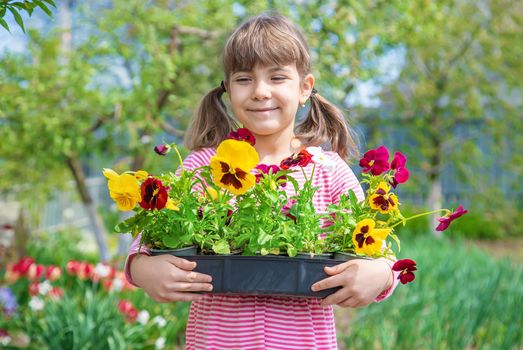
343, 179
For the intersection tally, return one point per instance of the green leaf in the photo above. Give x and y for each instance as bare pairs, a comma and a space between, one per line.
50, 2
171, 241
221, 247
4, 24
43, 7
17, 17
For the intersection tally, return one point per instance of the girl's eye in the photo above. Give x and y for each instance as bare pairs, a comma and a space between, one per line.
279, 77
243, 80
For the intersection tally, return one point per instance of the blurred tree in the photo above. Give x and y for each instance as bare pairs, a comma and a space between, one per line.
133, 72
447, 87
28, 6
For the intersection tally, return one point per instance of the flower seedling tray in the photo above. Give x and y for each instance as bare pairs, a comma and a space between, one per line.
264, 275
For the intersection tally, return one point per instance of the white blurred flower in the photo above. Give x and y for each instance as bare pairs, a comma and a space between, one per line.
5, 340
102, 270
143, 317
160, 321
319, 157
45, 287
117, 285
36, 304
160, 343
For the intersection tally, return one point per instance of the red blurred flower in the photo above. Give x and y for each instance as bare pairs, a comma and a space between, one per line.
405, 267
35, 271
34, 289
401, 173
53, 273
154, 194
376, 161
84, 270
23, 265
242, 134
72, 267
56, 293
302, 159
128, 310
445, 221
162, 149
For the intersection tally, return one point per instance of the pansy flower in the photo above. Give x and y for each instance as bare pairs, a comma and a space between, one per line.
270, 169
320, 157
406, 268
154, 194
367, 238
302, 159
401, 173
162, 149
445, 221
231, 166
123, 189
242, 134
376, 161
382, 200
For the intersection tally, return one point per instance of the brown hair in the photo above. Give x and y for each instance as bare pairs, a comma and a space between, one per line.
269, 39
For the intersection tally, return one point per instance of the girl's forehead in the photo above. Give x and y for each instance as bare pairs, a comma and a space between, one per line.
260, 67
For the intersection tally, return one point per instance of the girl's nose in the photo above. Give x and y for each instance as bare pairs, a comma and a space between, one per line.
262, 90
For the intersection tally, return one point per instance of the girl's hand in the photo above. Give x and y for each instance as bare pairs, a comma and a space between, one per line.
361, 281
166, 278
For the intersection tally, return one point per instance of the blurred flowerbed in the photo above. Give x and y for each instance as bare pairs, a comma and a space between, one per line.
82, 305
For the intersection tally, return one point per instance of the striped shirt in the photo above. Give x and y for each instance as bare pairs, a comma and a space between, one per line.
267, 322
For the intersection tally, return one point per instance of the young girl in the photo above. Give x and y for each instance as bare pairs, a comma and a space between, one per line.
267, 78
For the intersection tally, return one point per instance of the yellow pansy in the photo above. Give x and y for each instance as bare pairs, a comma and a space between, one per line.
171, 205
124, 189
382, 200
231, 166
141, 175
367, 239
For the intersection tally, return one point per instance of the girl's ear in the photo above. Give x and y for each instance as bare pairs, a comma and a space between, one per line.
306, 87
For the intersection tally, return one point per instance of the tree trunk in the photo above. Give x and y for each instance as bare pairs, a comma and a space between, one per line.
94, 217
434, 202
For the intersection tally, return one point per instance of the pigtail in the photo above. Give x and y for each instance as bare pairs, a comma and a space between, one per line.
326, 124
211, 123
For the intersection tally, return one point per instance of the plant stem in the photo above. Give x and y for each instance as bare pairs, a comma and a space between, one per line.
420, 215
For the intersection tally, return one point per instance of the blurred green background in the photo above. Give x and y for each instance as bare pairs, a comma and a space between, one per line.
99, 83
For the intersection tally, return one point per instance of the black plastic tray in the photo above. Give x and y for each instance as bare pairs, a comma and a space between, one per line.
264, 275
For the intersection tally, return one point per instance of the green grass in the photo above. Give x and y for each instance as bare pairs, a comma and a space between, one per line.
461, 299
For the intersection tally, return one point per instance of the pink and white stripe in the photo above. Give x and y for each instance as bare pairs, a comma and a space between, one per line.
263, 322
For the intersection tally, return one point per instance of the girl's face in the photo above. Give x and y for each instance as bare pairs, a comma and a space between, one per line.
265, 100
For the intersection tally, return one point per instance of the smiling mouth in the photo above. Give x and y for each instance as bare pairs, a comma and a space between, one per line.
263, 109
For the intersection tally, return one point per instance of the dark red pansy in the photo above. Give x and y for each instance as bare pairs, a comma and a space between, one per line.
445, 221
376, 161
302, 159
242, 134
401, 173
161, 149
406, 268
266, 169
154, 194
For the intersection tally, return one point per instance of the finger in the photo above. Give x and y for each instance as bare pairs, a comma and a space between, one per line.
334, 270
192, 287
195, 277
336, 298
182, 263
183, 296
326, 283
